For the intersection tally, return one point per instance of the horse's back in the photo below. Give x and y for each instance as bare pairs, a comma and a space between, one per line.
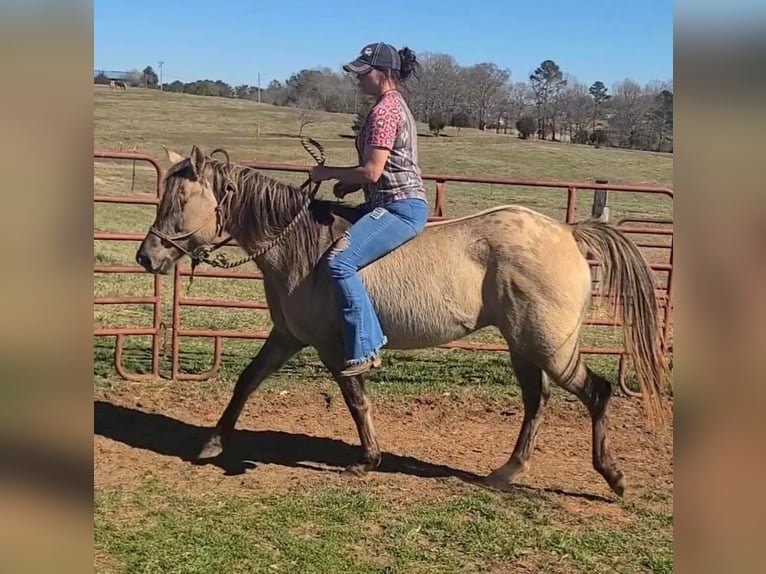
460, 275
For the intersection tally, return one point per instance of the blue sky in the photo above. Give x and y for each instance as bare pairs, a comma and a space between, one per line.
234, 40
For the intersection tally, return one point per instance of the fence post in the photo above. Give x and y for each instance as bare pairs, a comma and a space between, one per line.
439, 200
599, 210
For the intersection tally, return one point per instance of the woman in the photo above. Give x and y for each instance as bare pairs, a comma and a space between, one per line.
395, 207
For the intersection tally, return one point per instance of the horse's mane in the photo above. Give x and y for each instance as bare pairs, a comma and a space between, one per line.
260, 207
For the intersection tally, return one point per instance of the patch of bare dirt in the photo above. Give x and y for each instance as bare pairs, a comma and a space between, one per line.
433, 445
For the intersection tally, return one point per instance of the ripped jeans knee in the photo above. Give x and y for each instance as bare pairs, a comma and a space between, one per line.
339, 246
339, 265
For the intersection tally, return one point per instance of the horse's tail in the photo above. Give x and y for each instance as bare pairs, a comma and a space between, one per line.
627, 276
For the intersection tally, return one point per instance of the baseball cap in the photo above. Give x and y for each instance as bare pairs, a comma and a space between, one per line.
377, 55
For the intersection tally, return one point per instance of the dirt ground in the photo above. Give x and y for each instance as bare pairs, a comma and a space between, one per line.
433, 445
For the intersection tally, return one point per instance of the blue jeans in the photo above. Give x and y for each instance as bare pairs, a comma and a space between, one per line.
378, 232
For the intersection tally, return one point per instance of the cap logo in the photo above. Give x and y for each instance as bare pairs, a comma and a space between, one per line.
367, 52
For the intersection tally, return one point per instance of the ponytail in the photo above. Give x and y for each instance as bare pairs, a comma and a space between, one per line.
410, 65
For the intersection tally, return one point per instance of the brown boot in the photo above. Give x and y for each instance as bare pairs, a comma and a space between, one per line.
362, 367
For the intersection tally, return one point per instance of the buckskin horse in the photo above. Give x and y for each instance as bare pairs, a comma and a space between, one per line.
508, 267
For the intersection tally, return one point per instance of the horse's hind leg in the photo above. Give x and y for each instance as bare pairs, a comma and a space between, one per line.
568, 371
274, 353
361, 411
534, 393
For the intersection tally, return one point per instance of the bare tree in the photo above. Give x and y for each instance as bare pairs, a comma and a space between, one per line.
576, 106
438, 90
485, 82
308, 112
520, 100
498, 112
134, 78
510, 103
630, 106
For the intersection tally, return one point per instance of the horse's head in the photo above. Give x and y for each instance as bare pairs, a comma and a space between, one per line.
187, 216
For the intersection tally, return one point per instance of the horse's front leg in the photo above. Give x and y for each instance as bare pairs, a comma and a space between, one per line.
276, 351
360, 408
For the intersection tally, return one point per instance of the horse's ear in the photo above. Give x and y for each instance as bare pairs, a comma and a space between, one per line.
197, 160
172, 156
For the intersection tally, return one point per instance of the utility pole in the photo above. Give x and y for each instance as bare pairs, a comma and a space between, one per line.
160, 63
259, 87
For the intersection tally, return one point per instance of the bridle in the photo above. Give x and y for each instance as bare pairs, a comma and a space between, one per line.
203, 253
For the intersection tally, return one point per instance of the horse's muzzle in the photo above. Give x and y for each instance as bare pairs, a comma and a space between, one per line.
154, 257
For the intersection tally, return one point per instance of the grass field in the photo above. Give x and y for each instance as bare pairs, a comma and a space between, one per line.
443, 413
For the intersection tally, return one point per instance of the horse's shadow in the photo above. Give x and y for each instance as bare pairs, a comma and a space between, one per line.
247, 449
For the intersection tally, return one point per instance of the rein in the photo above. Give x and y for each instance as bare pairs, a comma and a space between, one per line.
204, 253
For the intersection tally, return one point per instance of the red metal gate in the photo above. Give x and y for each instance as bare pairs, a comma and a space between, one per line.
644, 228
156, 298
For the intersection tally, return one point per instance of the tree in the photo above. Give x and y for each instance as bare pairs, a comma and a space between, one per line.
460, 120
526, 126
209, 88
576, 107
599, 94
149, 78
176, 86
520, 99
547, 81
242, 91
660, 117
308, 112
275, 94
484, 82
438, 90
436, 123
133, 78
662, 120
499, 112
630, 108
599, 137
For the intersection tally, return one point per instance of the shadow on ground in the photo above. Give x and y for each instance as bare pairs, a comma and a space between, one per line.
247, 449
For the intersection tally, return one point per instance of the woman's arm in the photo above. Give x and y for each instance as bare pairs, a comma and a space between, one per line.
369, 171
378, 144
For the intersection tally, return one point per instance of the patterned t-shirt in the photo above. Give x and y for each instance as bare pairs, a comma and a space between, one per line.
390, 125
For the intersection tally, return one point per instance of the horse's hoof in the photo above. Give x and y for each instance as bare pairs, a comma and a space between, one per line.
618, 484
212, 448
497, 480
500, 478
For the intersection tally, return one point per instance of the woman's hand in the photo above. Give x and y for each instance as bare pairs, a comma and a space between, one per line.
340, 189
320, 173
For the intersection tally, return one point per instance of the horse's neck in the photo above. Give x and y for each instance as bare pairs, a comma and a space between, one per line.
297, 251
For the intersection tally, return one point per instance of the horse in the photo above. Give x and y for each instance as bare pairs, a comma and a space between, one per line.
509, 267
